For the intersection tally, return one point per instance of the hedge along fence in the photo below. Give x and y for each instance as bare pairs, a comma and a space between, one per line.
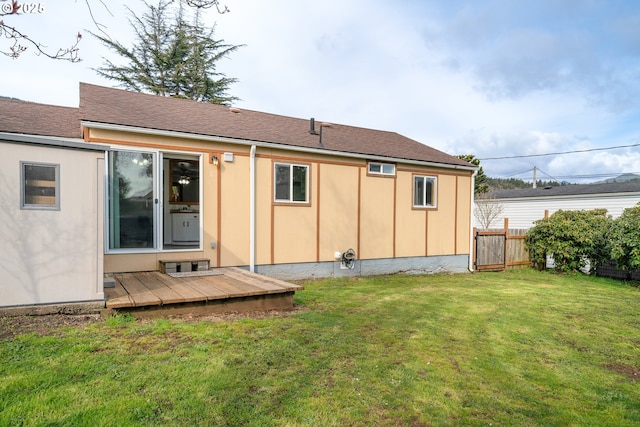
592, 239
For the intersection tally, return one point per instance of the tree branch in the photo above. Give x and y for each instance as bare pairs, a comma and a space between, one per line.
21, 41
206, 4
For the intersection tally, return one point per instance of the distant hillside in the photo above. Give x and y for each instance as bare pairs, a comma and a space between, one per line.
625, 177
515, 183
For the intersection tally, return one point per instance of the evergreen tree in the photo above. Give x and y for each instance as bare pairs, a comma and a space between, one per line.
171, 56
481, 184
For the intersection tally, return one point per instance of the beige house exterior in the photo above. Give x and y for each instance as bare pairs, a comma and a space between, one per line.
359, 189
281, 196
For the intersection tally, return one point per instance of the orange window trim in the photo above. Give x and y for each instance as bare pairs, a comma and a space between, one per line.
425, 208
309, 186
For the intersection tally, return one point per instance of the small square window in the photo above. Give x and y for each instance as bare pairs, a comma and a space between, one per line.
382, 168
291, 183
40, 186
424, 192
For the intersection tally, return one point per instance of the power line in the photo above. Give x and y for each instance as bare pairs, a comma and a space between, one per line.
559, 153
552, 177
558, 177
518, 173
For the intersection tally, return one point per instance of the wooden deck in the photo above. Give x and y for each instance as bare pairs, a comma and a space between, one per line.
230, 289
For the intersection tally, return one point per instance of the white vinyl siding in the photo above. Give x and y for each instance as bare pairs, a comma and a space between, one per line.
523, 212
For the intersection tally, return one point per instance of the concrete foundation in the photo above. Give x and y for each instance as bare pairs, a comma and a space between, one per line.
369, 267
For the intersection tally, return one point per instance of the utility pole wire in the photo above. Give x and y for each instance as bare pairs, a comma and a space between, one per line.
560, 153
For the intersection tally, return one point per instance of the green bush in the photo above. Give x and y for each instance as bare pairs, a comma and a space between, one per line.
624, 239
573, 238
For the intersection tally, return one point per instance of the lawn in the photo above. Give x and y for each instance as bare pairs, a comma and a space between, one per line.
516, 348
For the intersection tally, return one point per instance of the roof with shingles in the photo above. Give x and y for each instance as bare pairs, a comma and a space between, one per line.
30, 118
569, 190
119, 107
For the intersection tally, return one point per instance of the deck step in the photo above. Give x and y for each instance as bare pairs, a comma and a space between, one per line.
184, 265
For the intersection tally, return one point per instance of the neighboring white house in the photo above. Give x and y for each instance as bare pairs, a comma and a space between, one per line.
524, 206
51, 219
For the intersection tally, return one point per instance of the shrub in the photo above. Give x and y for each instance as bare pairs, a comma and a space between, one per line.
573, 238
624, 239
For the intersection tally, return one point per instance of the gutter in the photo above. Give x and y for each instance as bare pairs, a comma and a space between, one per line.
50, 141
471, 221
271, 145
252, 209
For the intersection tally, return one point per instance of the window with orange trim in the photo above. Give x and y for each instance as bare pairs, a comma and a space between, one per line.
291, 183
424, 191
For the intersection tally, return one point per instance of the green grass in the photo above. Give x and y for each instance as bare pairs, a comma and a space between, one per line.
516, 348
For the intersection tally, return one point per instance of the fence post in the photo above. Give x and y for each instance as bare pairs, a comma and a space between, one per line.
506, 242
475, 249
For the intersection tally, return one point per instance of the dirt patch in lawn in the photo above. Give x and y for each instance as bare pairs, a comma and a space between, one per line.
628, 371
50, 324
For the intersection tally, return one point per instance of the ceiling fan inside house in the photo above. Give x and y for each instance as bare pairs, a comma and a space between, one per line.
188, 172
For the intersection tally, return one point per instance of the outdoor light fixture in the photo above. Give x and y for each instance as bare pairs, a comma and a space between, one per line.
214, 160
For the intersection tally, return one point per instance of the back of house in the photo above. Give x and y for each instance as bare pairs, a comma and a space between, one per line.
281, 196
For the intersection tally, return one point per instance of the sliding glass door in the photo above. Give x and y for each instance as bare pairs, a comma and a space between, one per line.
132, 200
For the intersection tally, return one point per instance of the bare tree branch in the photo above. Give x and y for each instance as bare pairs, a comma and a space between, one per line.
20, 42
98, 25
206, 4
487, 209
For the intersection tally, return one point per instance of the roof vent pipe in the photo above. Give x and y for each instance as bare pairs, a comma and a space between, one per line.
312, 126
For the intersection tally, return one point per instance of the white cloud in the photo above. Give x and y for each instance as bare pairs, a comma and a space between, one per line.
489, 77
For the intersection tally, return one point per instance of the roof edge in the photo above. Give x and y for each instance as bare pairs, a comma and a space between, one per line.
52, 141
566, 196
246, 142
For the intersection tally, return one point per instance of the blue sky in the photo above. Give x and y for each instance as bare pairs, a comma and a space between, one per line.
491, 78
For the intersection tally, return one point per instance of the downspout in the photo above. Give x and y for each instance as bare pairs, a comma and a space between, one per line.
252, 209
471, 236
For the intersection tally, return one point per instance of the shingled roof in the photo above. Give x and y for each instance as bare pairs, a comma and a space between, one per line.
569, 190
30, 118
119, 107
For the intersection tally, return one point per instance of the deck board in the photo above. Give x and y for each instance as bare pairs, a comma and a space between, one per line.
186, 292
146, 289
138, 292
167, 294
117, 296
205, 285
238, 287
264, 282
226, 285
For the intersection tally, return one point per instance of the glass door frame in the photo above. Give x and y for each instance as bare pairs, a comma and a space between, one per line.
177, 155
108, 171
158, 200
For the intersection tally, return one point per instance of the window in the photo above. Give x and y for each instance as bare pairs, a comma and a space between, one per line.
131, 199
382, 168
40, 186
424, 192
291, 183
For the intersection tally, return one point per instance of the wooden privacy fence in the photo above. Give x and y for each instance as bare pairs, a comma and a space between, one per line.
499, 249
